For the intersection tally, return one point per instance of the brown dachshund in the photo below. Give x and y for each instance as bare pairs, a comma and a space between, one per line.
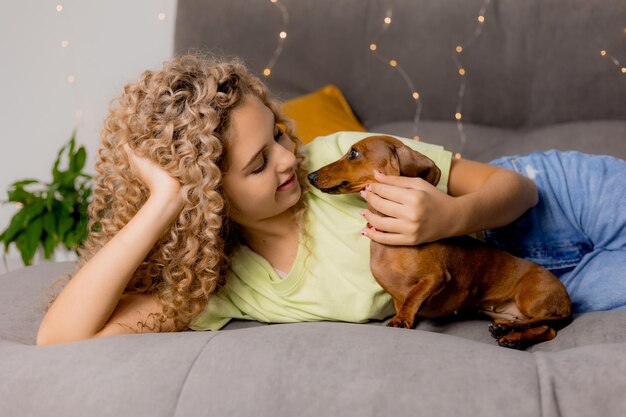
526, 303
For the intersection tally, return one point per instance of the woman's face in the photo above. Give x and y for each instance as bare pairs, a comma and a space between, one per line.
261, 179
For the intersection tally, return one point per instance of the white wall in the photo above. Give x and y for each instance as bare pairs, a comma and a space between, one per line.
110, 42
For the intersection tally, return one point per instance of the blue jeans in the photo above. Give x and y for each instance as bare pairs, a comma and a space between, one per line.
578, 228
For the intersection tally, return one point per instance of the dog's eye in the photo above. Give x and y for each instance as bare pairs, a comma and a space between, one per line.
353, 153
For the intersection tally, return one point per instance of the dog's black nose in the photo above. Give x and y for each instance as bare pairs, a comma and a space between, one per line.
312, 177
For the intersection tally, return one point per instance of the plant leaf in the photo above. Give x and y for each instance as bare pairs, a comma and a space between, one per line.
72, 144
20, 195
49, 199
34, 209
28, 241
78, 160
49, 224
22, 183
49, 245
20, 242
65, 224
70, 240
55, 167
16, 225
69, 201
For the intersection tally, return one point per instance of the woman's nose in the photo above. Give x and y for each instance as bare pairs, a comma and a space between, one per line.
286, 158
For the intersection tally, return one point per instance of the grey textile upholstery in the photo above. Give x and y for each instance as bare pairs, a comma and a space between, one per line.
535, 81
307, 369
535, 62
534, 71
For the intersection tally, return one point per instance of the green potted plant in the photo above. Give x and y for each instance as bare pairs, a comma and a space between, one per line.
53, 215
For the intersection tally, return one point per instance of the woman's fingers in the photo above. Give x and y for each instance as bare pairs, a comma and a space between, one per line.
387, 224
154, 176
383, 205
402, 190
395, 239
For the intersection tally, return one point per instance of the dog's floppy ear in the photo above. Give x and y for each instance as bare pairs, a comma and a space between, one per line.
415, 164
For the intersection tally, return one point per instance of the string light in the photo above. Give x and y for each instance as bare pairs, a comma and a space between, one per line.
463, 72
267, 71
394, 64
71, 77
604, 53
460, 69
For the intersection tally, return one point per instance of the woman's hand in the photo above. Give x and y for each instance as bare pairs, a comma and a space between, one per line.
158, 181
481, 196
418, 211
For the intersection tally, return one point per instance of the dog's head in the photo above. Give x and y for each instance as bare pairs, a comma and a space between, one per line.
355, 169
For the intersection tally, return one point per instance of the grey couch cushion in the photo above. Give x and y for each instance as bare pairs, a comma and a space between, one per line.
445, 367
534, 63
484, 143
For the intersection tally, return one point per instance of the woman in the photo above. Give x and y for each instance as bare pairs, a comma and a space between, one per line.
201, 212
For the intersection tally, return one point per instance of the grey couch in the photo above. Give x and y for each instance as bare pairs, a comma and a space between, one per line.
535, 81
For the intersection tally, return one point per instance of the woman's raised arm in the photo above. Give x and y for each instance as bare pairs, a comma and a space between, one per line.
480, 196
86, 304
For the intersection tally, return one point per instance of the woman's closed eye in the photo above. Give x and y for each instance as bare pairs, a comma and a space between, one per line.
277, 137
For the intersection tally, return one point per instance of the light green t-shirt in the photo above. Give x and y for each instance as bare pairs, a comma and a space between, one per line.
335, 282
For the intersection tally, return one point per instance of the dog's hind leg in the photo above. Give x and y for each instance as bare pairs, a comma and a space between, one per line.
426, 287
544, 306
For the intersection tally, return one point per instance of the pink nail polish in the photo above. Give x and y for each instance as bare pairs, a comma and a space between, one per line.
362, 213
368, 187
362, 193
363, 232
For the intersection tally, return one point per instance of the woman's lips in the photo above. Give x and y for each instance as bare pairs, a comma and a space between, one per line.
288, 184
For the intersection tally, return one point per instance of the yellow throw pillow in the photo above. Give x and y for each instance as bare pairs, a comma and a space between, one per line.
321, 113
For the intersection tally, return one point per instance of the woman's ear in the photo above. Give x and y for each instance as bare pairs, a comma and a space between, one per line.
415, 164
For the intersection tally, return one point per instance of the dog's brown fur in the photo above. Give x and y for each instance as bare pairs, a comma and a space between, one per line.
527, 303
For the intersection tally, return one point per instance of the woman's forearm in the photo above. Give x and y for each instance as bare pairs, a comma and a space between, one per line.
90, 297
502, 198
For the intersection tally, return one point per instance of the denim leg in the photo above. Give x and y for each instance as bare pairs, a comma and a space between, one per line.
578, 228
598, 282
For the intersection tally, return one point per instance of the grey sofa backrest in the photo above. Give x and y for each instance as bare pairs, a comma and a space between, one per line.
535, 62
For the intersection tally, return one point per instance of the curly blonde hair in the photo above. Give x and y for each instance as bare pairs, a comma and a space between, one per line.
179, 117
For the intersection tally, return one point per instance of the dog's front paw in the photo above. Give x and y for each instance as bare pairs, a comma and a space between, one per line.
400, 322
